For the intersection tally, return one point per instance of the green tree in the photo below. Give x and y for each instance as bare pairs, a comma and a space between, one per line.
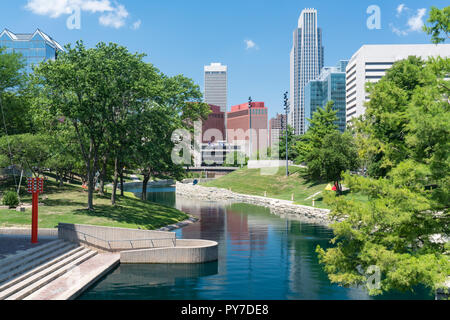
383, 129
292, 139
14, 115
323, 122
78, 92
338, 154
440, 24
11, 65
29, 152
152, 152
402, 229
397, 231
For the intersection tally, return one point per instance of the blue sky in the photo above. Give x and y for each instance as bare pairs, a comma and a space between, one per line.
253, 38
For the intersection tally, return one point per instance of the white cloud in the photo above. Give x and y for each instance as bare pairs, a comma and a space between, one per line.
250, 44
56, 8
416, 23
115, 19
112, 14
397, 31
400, 9
136, 25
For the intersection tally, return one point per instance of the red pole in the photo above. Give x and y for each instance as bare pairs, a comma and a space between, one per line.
34, 219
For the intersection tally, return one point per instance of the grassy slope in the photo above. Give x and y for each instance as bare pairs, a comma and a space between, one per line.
250, 181
67, 205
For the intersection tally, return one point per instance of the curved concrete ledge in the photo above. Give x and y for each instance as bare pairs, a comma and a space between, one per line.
186, 251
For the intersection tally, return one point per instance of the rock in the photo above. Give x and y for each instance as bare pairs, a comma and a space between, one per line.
276, 206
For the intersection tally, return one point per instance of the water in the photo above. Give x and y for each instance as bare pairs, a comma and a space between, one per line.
261, 257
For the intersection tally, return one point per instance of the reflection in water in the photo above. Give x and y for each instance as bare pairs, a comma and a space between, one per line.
135, 282
261, 256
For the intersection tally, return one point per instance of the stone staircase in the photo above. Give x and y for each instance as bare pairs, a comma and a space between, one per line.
29, 271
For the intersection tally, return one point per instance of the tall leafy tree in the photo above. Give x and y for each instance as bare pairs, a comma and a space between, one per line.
28, 152
323, 122
383, 129
78, 92
13, 100
439, 21
402, 229
178, 107
291, 141
337, 154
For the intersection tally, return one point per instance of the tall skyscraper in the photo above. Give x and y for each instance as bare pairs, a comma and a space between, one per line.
216, 85
307, 60
34, 47
330, 86
370, 63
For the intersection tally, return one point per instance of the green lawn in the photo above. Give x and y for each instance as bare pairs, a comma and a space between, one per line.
250, 181
67, 205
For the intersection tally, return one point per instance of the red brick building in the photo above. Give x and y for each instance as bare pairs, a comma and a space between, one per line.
216, 120
238, 125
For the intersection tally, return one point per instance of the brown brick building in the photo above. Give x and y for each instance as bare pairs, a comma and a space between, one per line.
216, 120
238, 125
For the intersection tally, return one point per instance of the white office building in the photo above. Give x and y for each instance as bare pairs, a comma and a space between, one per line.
306, 62
216, 85
369, 64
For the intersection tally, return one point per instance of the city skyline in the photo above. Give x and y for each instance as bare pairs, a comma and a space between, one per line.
181, 38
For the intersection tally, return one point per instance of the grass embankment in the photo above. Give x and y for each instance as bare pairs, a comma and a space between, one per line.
252, 182
67, 205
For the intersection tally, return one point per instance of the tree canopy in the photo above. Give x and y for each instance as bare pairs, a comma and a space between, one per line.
439, 21
402, 229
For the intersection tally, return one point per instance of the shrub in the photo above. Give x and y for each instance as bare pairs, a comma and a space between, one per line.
10, 199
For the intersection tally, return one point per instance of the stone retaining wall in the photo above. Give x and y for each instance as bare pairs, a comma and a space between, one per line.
186, 251
278, 207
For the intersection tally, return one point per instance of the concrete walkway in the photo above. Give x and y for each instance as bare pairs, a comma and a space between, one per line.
13, 244
75, 282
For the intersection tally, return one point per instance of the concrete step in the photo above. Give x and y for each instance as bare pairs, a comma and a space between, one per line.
7, 261
23, 264
41, 279
72, 284
60, 254
24, 258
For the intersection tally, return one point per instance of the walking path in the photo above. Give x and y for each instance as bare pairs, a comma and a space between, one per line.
73, 283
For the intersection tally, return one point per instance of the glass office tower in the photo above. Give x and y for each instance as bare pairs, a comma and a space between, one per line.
34, 47
330, 86
307, 60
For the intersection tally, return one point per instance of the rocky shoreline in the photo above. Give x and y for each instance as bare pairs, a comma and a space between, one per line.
277, 207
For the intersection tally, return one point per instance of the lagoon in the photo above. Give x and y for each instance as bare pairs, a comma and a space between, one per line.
261, 257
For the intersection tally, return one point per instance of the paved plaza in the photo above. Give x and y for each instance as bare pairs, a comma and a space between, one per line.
13, 244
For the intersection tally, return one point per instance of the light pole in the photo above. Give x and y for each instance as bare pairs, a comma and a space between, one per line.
286, 108
250, 113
